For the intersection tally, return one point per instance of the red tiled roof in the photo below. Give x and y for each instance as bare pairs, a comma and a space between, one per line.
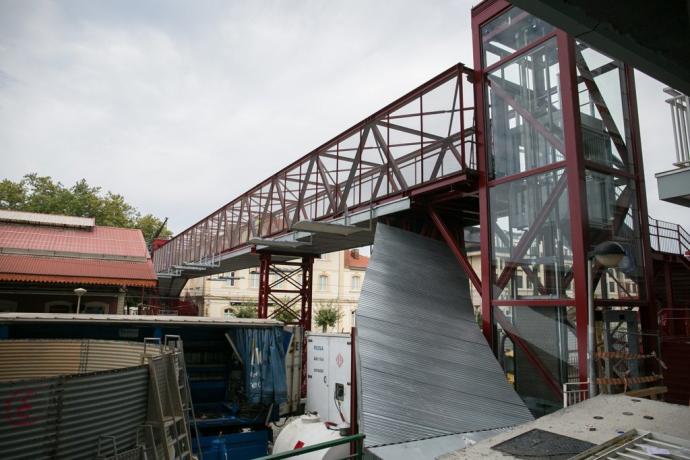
108, 241
76, 270
354, 260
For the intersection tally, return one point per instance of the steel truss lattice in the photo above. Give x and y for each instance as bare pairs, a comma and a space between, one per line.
424, 137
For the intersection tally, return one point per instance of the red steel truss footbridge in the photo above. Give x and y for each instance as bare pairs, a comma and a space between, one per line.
532, 160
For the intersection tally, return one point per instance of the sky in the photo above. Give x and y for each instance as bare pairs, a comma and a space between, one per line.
181, 106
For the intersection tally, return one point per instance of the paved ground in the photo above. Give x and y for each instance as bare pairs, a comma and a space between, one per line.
596, 420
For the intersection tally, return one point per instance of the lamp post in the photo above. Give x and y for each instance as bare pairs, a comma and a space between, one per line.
609, 254
79, 292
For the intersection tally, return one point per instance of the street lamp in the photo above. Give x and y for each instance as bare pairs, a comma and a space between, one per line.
609, 254
80, 292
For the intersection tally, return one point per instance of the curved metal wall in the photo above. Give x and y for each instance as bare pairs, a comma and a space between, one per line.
57, 397
63, 417
29, 359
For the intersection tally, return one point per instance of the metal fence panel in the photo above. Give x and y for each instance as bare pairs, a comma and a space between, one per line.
27, 359
112, 403
63, 417
28, 427
425, 368
33, 358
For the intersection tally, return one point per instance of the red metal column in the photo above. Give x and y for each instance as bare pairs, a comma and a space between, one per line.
456, 249
307, 272
264, 287
649, 314
577, 194
483, 13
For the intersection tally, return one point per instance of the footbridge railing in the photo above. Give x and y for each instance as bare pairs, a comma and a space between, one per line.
668, 237
426, 137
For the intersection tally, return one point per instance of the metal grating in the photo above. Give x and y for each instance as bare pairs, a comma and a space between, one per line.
639, 445
542, 445
425, 368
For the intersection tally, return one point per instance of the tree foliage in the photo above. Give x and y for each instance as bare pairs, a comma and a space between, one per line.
246, 311
34, 193
327, 316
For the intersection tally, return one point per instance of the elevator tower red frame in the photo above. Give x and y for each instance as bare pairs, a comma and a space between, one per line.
573, 168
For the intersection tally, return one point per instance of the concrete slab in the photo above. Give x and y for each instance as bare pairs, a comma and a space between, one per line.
596, 420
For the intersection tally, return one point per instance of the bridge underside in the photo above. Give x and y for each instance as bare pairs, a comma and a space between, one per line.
456, 197
355, 231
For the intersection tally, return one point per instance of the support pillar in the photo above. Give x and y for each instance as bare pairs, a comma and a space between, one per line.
290, 293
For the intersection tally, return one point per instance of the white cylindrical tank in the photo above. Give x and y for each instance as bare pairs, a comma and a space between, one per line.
308, 430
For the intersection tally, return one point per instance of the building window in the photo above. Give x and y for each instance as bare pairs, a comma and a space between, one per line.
323, 282
254, 280
95, 307
356, 282
612, 286
231, 280
58, 306
520, 280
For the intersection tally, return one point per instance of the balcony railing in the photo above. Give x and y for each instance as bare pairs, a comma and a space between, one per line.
679, 103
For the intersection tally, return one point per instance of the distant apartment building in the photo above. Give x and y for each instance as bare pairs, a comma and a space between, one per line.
337, 282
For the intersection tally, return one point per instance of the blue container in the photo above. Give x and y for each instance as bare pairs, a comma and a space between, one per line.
235, 446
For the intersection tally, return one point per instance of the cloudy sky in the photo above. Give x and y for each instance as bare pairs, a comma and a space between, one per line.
182, 106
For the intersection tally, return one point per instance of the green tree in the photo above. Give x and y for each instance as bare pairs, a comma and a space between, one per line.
149, 225
246, 311
286, 316
327, 316
12, 194
34, 193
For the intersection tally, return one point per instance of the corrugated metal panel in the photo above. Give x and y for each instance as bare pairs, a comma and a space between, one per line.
113, 403
430, 448
425, 368
63, 417
29, 425
543, 330
42, 318
28, 359
104, 355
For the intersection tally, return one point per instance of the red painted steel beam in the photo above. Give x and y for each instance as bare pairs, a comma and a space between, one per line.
259, 200
480, 15
602, 108
527, 116
533, 277
527, 237
577, 196
455, 249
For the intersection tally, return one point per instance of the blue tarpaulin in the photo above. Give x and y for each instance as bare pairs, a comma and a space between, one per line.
264, 364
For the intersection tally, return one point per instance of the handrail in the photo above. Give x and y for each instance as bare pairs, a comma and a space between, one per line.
668, 237
358, 439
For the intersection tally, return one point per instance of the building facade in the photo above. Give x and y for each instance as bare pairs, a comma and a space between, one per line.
337, 283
